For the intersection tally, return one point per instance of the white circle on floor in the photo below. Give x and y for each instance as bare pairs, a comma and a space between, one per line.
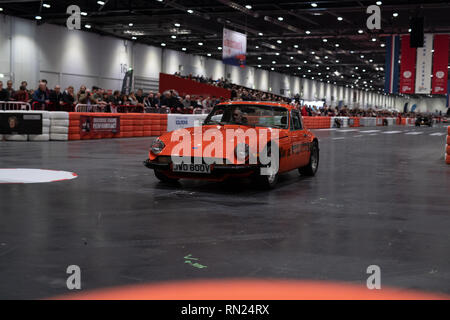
34, 176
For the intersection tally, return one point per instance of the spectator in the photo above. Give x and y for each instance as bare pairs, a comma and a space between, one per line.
140, 98
22, 95
11, 91
56, 98
69, 98
40, 97
4, 94
84, 96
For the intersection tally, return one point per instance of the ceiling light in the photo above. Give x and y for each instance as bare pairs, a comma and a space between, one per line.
130, 24
190, 11
259, 66
382, 45
38, 18
356, 68
296, 46
336, 45
314, 5
200, 43
305, 61
277, 54
272, 69
219, 48
257, 47
1, 9
337, 61
395, 14
274, 62
184, 49
84, 13
379, 3
177, 25
292, 58
362, 56
360, 31
260, 34
409, 30
163, 44
133, 38
173, 36
259, 58
209, 54
287, 66
280, 18
308, 32
317, 57
340, 18
249, 7
374, 39
370, 60
102, 3
46, 5
88, 26
279, 41
300, 68
324, 40
326, 57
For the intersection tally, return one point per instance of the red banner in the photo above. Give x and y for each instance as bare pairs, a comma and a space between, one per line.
440, 64
407, 66
190, 87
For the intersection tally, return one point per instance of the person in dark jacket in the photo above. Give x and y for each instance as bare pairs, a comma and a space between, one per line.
40, 97
56, 98
4, 95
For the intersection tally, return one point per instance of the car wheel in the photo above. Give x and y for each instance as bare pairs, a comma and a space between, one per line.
163, 178
313, 165
267, 181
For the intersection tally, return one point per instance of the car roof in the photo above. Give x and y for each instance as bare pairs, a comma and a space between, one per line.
260, 103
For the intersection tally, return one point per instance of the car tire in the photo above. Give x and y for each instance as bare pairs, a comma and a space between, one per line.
267, 182
163, 178
313, 165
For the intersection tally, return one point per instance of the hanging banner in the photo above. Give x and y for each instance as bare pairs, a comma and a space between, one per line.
407, 66
234, 48
423, 66
392, 65
440, 64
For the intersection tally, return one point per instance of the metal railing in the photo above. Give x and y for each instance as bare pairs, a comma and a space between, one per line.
15, 105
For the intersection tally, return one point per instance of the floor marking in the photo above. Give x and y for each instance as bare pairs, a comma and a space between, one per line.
358, 136
14, 175
338, 138
348, 130
370, 131
392, 132
440, 134
331, 129
414, 133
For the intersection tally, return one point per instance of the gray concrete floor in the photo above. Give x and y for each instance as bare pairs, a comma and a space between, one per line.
379, 198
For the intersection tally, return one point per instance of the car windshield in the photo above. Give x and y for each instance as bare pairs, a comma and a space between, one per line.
249, 115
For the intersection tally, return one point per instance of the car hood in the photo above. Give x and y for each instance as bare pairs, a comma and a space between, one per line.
202, 139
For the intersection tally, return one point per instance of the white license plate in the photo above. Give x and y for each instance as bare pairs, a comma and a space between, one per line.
192, 168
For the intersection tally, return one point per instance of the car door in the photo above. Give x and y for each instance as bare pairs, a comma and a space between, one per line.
299, 144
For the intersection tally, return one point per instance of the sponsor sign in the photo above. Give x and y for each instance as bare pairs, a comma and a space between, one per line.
234, 48
407, 66
424, 64
20, 123
99, 124
440, 64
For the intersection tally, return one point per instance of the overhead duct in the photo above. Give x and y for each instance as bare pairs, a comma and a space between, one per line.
282, 24
238, 7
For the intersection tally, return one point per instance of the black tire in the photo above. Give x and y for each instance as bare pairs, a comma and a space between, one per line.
163, 178
267, 182
313, 165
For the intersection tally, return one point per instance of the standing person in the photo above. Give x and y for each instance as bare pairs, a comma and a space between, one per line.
40, 97
11, 91
69, 98
22, 95
56, 98
4, 95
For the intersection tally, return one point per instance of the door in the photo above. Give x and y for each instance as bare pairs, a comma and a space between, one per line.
300, 141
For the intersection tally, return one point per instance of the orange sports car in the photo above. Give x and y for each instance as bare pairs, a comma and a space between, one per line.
260, 140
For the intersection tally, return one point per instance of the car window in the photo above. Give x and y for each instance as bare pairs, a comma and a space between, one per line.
296, 123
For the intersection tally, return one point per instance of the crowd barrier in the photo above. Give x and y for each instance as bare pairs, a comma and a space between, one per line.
63, 126
14, 105
447, 147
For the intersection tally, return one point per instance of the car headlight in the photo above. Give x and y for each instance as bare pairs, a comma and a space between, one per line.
242, 151
157, 146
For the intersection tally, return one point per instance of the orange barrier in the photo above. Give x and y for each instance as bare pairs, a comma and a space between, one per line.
316, 122
447, 149
131, 125
252, 289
